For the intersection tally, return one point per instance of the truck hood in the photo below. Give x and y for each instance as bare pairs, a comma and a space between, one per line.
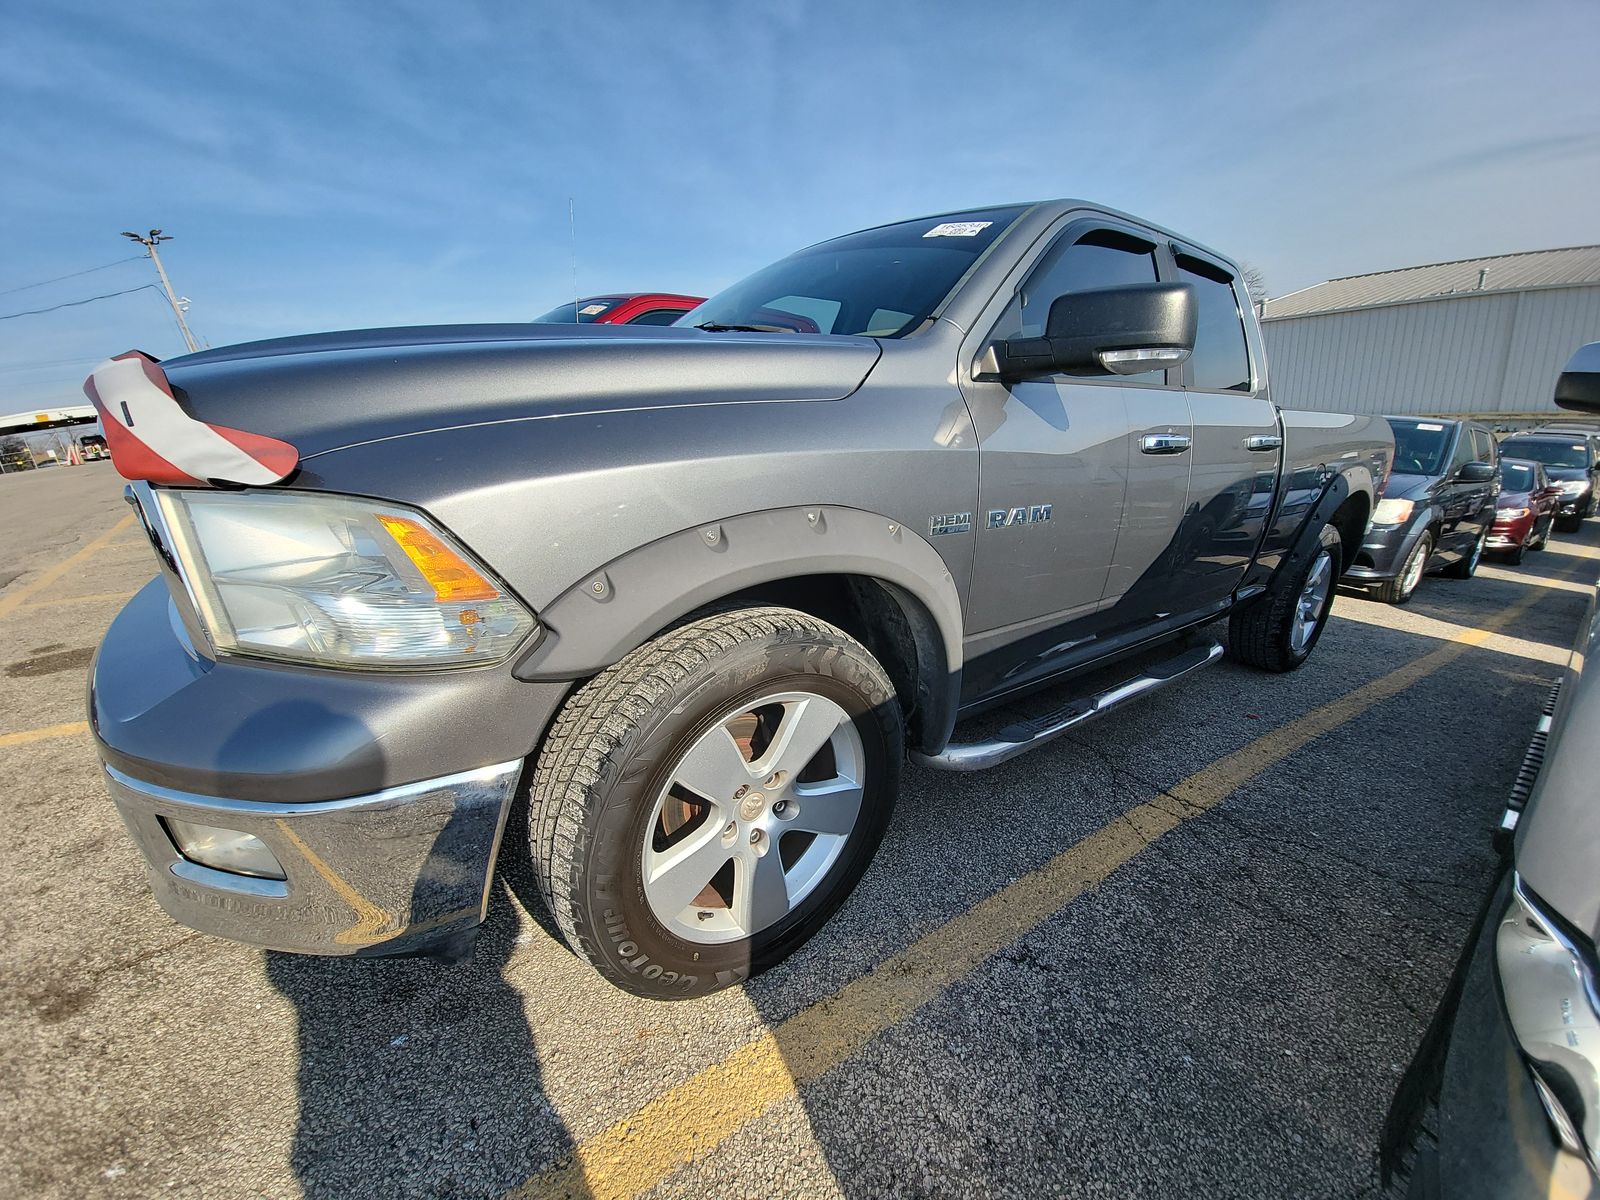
324, 391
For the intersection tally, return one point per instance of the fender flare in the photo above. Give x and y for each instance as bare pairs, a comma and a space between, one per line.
616, 609
1309, 537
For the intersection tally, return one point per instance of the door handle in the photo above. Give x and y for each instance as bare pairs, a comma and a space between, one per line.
1263, 441
1164, 443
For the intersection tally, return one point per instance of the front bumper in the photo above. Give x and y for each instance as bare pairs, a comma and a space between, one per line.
1383, 553
391, 873
382, 795
1510, 532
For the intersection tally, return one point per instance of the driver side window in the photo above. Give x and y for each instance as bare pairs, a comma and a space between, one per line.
1463, 452
1099, 259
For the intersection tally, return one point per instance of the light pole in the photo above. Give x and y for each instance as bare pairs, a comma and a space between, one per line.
149, 243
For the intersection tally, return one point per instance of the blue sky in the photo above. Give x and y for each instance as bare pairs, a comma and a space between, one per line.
338, 165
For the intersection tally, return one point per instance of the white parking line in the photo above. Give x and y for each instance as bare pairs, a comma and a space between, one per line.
1386, 616
1544, 581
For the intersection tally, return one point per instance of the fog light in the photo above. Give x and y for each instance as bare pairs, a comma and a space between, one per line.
224, 849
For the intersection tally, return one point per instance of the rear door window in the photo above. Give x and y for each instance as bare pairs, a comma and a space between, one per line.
1221, 359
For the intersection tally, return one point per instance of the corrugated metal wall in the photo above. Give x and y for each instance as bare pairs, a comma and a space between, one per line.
1495, 353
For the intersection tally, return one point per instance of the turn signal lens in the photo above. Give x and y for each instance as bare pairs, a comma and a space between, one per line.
445, 570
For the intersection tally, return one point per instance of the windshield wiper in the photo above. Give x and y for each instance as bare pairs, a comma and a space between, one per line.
715, 327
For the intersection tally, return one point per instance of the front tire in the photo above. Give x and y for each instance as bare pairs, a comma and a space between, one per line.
1401, 588
701, 808
1278, 630
1466, 568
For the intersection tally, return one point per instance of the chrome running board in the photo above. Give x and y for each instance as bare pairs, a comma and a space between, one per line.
1022, 736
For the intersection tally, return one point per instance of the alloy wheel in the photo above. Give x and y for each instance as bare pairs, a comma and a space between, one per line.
753, 816
1411, 575
1313, 599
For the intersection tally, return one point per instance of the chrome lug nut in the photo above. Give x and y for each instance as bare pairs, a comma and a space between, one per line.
778, 806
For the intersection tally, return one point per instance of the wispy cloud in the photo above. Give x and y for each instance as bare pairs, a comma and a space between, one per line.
337, 165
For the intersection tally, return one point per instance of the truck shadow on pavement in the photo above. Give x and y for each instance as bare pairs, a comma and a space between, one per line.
416, 1078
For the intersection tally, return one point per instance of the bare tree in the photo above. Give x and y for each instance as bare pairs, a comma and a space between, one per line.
1254, 283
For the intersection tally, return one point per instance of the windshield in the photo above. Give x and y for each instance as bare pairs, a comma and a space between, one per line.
1419, 446
882, 282
1551, 452
1515, 477
580, 311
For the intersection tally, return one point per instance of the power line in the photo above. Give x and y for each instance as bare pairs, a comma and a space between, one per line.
33, 312
90, 271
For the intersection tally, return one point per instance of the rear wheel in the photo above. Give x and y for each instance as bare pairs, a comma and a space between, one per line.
1278, 630
1399, 589
701, 808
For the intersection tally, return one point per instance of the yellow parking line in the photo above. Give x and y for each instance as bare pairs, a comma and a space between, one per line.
70, 729
91, 598
686, 1122
14, 598
1404, 621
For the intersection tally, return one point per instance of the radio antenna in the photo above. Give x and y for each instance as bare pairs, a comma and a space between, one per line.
572, 227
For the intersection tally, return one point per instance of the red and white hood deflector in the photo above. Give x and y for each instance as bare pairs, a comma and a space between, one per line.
152, 438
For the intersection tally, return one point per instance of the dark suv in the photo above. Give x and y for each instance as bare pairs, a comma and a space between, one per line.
1436, 511
1570, 459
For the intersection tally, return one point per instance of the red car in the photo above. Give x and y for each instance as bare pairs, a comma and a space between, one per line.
634, 308
1525, 511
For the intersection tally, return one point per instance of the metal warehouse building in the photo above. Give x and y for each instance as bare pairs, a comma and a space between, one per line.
1485, 336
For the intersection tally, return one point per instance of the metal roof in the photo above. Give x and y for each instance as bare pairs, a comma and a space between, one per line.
1567, 266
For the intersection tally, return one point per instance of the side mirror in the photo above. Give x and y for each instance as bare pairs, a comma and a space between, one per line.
1107, 331
1476, 472
1578, 386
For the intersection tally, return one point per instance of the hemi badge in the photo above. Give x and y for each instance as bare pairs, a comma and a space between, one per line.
950, 523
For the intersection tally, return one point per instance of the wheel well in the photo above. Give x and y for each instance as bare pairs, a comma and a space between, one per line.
1350, 519
885, 618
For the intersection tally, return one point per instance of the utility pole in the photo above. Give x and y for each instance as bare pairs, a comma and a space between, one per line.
149, 243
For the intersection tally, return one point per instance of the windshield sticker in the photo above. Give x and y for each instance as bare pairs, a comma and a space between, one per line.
589, 310
958, 229
1429, 428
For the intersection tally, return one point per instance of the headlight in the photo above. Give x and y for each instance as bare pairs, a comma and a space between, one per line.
1509, 514
1573, 487
1550, 992
336, 581
1392, 512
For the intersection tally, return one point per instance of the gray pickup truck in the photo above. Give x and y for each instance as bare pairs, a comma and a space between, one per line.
690, 594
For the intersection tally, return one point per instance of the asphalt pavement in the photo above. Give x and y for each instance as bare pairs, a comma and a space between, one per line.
1185, 951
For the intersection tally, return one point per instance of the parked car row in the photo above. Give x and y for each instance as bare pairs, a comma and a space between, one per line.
1456, 493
